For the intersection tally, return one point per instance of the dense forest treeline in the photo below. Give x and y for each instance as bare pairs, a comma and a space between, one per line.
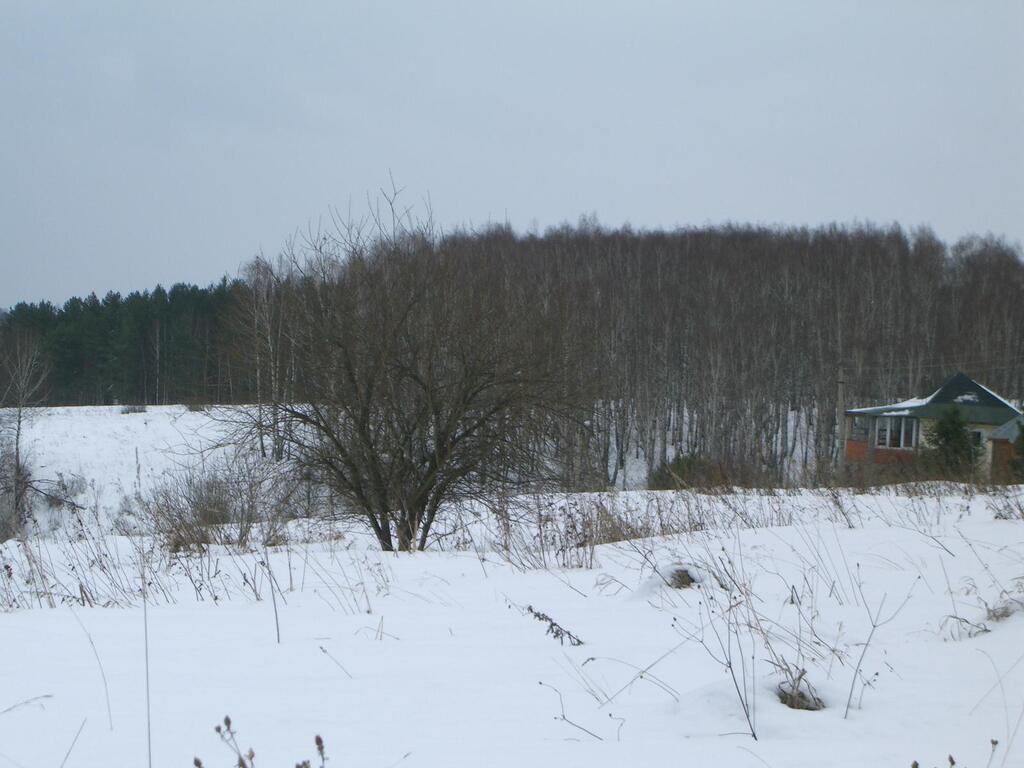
148, 347
728, 343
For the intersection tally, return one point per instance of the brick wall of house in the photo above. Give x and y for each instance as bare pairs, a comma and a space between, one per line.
857, 452
894, 456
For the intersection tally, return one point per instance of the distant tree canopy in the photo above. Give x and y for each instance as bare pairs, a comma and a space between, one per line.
151, 347
724, 343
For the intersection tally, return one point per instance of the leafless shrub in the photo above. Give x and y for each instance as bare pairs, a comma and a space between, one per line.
183, 511
84, 567
128, 409
1007, 502
531, 532
556, 530
227, 502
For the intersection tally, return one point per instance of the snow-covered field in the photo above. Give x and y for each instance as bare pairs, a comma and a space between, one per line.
116, 454
902, 609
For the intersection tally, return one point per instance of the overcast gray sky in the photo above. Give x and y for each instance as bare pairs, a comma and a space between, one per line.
144, 143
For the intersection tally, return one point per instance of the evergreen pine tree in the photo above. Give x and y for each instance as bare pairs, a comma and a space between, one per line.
952, 446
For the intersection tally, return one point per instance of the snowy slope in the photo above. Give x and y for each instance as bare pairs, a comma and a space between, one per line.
441, 659
116, 454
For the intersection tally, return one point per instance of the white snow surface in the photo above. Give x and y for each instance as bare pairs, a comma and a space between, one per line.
438, 658
117, 454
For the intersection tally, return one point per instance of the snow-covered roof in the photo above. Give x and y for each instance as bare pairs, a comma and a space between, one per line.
902, 408
904, 405
979, 404
1004, 401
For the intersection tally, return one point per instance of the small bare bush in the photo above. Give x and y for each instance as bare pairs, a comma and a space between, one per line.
241, 501
184, 510
1007, 503
127, 409
543, 532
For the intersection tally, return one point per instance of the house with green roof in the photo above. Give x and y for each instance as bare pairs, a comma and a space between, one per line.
895, 433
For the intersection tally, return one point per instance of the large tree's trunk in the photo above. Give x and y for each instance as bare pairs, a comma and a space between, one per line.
406, 533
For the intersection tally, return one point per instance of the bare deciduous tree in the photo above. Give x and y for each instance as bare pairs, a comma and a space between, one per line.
415, 392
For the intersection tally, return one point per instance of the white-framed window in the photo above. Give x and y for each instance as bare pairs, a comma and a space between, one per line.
897, 432
859, 428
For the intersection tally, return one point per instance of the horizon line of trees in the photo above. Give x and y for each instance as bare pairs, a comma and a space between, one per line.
146, 347
730, 343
